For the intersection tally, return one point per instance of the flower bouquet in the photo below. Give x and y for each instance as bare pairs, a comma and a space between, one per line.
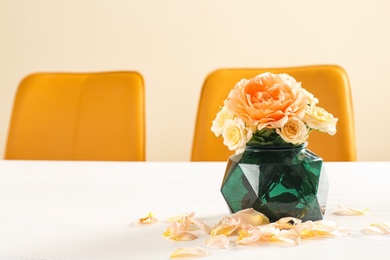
267, 120
270, 109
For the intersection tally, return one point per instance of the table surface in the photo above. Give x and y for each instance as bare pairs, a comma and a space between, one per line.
86, 210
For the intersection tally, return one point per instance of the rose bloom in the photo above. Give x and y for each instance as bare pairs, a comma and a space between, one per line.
294, 131
268, 100
319, 119
311, 100
220, 119
236, 135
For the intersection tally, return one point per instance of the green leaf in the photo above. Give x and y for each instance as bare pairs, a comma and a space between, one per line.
267, 137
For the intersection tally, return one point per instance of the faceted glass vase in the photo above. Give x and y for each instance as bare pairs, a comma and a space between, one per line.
278, 181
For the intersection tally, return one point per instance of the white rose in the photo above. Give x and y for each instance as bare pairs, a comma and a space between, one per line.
220, 119
236, 135
319, 119
310, 98
294, 131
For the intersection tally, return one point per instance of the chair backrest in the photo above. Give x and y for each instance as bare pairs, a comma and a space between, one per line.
329, 83
78, 116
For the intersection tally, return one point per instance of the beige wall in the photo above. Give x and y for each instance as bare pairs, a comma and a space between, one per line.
175, 43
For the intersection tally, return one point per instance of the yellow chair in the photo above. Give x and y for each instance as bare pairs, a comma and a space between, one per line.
78, 116
328, 83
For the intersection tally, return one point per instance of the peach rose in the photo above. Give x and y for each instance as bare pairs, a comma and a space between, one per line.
311, 100
294, 131
267, 100
319, 119
220, 119
236, 135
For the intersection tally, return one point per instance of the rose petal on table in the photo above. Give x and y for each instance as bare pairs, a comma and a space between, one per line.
184, 236
184, 220
323, 227
187, 219
243, 219
259, 233
189, 252
268, 233
287, 236
226, 227
201, 225
287, 222
382, 228
271, 233
173, 229
250, 217
346, 211
249, 236
305, 229
291, 231
176, 232
320, 228
220, 241
149, 219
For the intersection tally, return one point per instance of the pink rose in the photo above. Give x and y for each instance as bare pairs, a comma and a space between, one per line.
267, 100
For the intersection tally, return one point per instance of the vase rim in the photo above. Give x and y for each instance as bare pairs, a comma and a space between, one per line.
277, 147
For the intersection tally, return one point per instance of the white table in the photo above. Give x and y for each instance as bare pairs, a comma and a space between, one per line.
85, 210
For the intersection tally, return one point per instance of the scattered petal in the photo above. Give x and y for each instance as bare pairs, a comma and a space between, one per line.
184, 236
184, 220
290, 230
187, 219
382, 228
202, 226
149, 219
172, 230
287, 236
189, 252
287, 222
323, 227
175, 231
227, 226
305, 229
180, 225
345, 211
251, 227
250, 217
220, 241
250, 236
268, 233
243, 219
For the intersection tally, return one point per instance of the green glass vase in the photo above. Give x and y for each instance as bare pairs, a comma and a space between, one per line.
278, 181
